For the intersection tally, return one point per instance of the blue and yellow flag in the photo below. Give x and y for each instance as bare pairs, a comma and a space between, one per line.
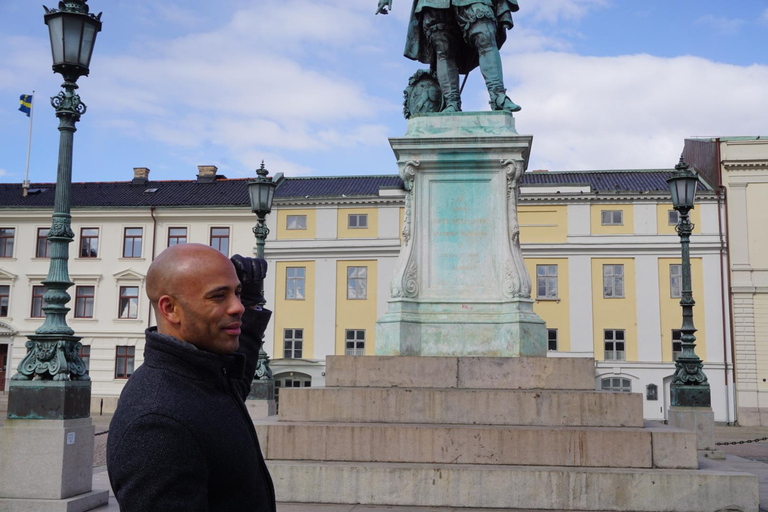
26, 104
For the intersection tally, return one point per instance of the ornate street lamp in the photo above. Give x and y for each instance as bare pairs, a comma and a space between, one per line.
53, 351
261, 192
689, 386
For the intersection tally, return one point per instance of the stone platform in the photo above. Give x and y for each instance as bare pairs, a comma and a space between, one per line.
470, 433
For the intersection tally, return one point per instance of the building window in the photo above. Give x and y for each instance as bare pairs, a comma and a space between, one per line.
293, 342
616, 384
552, 339
37, 301
43, 248
354, 342
220, 240
295, 279
357, 283
677, 344
613, 281
177, 236
84, 301
132, 242
651, 392
89, 243
546, 281
5, 295
612, 218
125, 359
614, 344
357, 221
675, 281
296, 222
673, 217
85, 355
6, 242
129, 302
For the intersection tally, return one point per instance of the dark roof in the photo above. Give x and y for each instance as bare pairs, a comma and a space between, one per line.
606, 181
348, 186
234, 192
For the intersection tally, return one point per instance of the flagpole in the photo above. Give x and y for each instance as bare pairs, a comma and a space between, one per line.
25, 186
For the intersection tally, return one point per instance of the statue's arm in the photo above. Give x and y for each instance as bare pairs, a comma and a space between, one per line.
384, 6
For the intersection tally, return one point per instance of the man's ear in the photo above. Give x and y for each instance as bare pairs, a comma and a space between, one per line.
168, 308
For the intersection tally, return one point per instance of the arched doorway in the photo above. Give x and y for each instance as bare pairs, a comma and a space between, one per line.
290, 380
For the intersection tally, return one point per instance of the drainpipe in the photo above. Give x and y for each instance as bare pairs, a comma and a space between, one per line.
725, 247
154, 242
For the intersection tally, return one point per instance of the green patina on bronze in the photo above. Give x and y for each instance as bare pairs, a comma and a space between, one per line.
454, 37
689, 386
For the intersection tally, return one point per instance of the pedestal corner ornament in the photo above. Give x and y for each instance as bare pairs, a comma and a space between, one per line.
460, 285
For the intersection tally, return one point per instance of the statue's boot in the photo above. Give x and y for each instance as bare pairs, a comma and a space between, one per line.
490, 67
448, 78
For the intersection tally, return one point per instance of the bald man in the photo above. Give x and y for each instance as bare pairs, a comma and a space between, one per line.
181, 438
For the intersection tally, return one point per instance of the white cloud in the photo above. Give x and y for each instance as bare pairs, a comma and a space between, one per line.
5, 173
630, 111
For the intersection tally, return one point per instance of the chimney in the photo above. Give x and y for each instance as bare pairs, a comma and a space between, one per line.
140, 176
206, 173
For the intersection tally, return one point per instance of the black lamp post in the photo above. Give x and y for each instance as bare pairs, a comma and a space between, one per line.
689, 386
261, 192
53, 351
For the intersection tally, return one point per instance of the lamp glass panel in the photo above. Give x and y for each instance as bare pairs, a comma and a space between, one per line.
673, 189
73, 33
56, 30
89, 38
691, 190
254, 191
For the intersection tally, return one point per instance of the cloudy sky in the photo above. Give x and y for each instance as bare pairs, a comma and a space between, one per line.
315, 87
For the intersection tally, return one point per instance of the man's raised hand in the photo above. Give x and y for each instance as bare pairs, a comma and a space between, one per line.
384, 6
251, 273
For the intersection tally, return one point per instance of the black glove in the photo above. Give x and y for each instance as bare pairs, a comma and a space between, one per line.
251, 273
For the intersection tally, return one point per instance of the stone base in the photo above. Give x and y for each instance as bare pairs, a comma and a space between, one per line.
80, 503
262, 389
422, 328
261, 408
695, 419
46, 460
49, 400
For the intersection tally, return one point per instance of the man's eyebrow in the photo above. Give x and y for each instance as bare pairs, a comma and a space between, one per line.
217, 290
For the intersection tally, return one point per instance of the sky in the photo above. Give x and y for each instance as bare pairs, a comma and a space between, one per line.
315, 87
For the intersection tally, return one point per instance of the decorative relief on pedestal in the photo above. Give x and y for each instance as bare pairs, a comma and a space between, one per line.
405, 283
517, 283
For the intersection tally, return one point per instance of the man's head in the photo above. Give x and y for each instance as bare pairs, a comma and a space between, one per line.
195, 293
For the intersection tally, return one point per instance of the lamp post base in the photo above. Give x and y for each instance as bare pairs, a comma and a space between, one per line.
700, 420
49, 400
685, 395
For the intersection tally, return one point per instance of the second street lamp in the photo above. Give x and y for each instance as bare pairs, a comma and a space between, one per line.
689, 386
261, 192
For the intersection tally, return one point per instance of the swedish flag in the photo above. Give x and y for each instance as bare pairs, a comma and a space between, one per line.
26, 104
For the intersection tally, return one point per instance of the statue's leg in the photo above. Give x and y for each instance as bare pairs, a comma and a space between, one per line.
481, 34
438, 26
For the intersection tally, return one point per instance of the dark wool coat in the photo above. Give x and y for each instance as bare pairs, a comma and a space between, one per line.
181, 438
417, 46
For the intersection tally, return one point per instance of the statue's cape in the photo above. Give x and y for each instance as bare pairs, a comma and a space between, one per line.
418, 48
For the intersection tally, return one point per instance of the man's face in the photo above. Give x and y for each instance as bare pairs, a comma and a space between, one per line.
209, 308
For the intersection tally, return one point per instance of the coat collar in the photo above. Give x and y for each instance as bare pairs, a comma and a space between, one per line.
166, 352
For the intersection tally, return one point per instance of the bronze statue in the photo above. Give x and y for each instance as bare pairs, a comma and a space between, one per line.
456, 36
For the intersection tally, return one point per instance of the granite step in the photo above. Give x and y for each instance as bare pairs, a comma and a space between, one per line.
514, 487
461, 372
659, 447
462, 406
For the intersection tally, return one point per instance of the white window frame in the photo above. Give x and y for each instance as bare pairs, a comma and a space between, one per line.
299, 222
293, 282
13, 242
677, 340
621, 384
219, 237
547, 281
552, 337
611, 336
675, 281
356, 290
357, 338
295, 353
613, 281
357, 224
612, 217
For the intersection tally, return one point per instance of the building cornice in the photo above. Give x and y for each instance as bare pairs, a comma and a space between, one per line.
745, 165
594, 197
294, 202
